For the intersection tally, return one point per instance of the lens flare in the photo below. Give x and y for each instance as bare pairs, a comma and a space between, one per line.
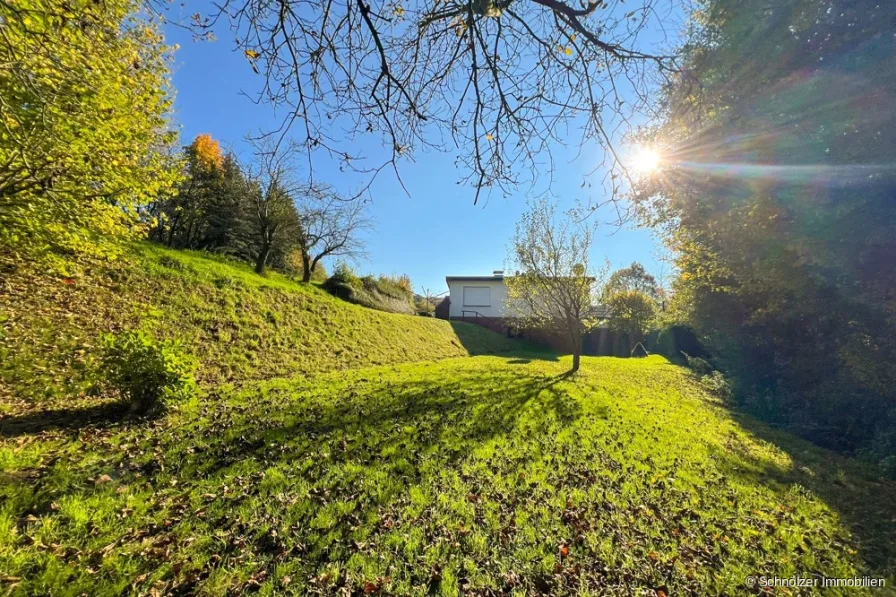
645, 160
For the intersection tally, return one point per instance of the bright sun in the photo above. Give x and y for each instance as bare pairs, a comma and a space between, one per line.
645, 160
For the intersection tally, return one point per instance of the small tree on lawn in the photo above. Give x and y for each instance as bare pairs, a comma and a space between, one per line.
555, 289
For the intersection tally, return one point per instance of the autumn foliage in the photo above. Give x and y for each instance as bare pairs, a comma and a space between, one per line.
207, 152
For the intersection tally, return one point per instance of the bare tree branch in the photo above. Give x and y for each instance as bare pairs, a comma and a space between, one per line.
502, 83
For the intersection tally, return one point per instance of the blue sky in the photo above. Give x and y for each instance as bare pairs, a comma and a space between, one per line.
435, 232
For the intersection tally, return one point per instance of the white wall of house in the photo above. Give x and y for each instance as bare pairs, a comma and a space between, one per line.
486, 295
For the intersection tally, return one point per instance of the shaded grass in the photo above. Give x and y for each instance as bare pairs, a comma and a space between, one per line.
483, 475
240, 325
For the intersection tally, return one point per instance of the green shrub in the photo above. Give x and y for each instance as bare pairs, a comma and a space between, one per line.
148, 374
716, 383
632, 313
385, 293
699, 365
401, 283
344, 274
665, 343
675, 342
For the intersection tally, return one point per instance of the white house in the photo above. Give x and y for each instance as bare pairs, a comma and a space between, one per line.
477, 296
482, 300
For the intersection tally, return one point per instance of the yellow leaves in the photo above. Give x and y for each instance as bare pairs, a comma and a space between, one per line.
252, 55
96, 109
489, 137
207, 152
565, 50
398, 11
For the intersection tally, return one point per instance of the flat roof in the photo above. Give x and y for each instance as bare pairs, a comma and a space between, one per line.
473, 278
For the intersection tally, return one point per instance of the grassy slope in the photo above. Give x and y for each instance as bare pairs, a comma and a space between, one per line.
485, 474
241, 325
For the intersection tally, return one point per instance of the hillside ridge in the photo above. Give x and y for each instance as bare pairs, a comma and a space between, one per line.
240, 326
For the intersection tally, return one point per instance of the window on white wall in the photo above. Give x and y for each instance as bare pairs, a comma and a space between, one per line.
477, 296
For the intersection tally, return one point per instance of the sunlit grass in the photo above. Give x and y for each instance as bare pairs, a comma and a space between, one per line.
477, 474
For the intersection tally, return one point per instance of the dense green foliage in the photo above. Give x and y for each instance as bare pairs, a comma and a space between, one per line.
633, 313
221, 207
84, 135
238, 324
677, 342
204, 211
632, 297
632, 278
476, 475
777, 196
147, 374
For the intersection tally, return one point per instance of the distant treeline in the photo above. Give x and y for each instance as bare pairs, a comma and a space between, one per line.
261, 212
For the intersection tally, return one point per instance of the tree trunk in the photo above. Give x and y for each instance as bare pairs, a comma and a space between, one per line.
171, 230
576, 361
306, 268
262, 259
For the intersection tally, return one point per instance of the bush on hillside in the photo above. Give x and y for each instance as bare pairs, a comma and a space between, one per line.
699, 365
401, 284
384, 293
148, 374
343, 275
716, 383
319, 274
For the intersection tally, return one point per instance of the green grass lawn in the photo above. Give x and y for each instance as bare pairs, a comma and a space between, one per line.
480, 475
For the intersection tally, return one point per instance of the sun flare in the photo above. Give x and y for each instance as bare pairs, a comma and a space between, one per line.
645, 160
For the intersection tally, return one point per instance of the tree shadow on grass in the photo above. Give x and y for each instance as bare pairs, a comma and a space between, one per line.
478, 340
65, 419
449, 418
348, 449
864, 501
